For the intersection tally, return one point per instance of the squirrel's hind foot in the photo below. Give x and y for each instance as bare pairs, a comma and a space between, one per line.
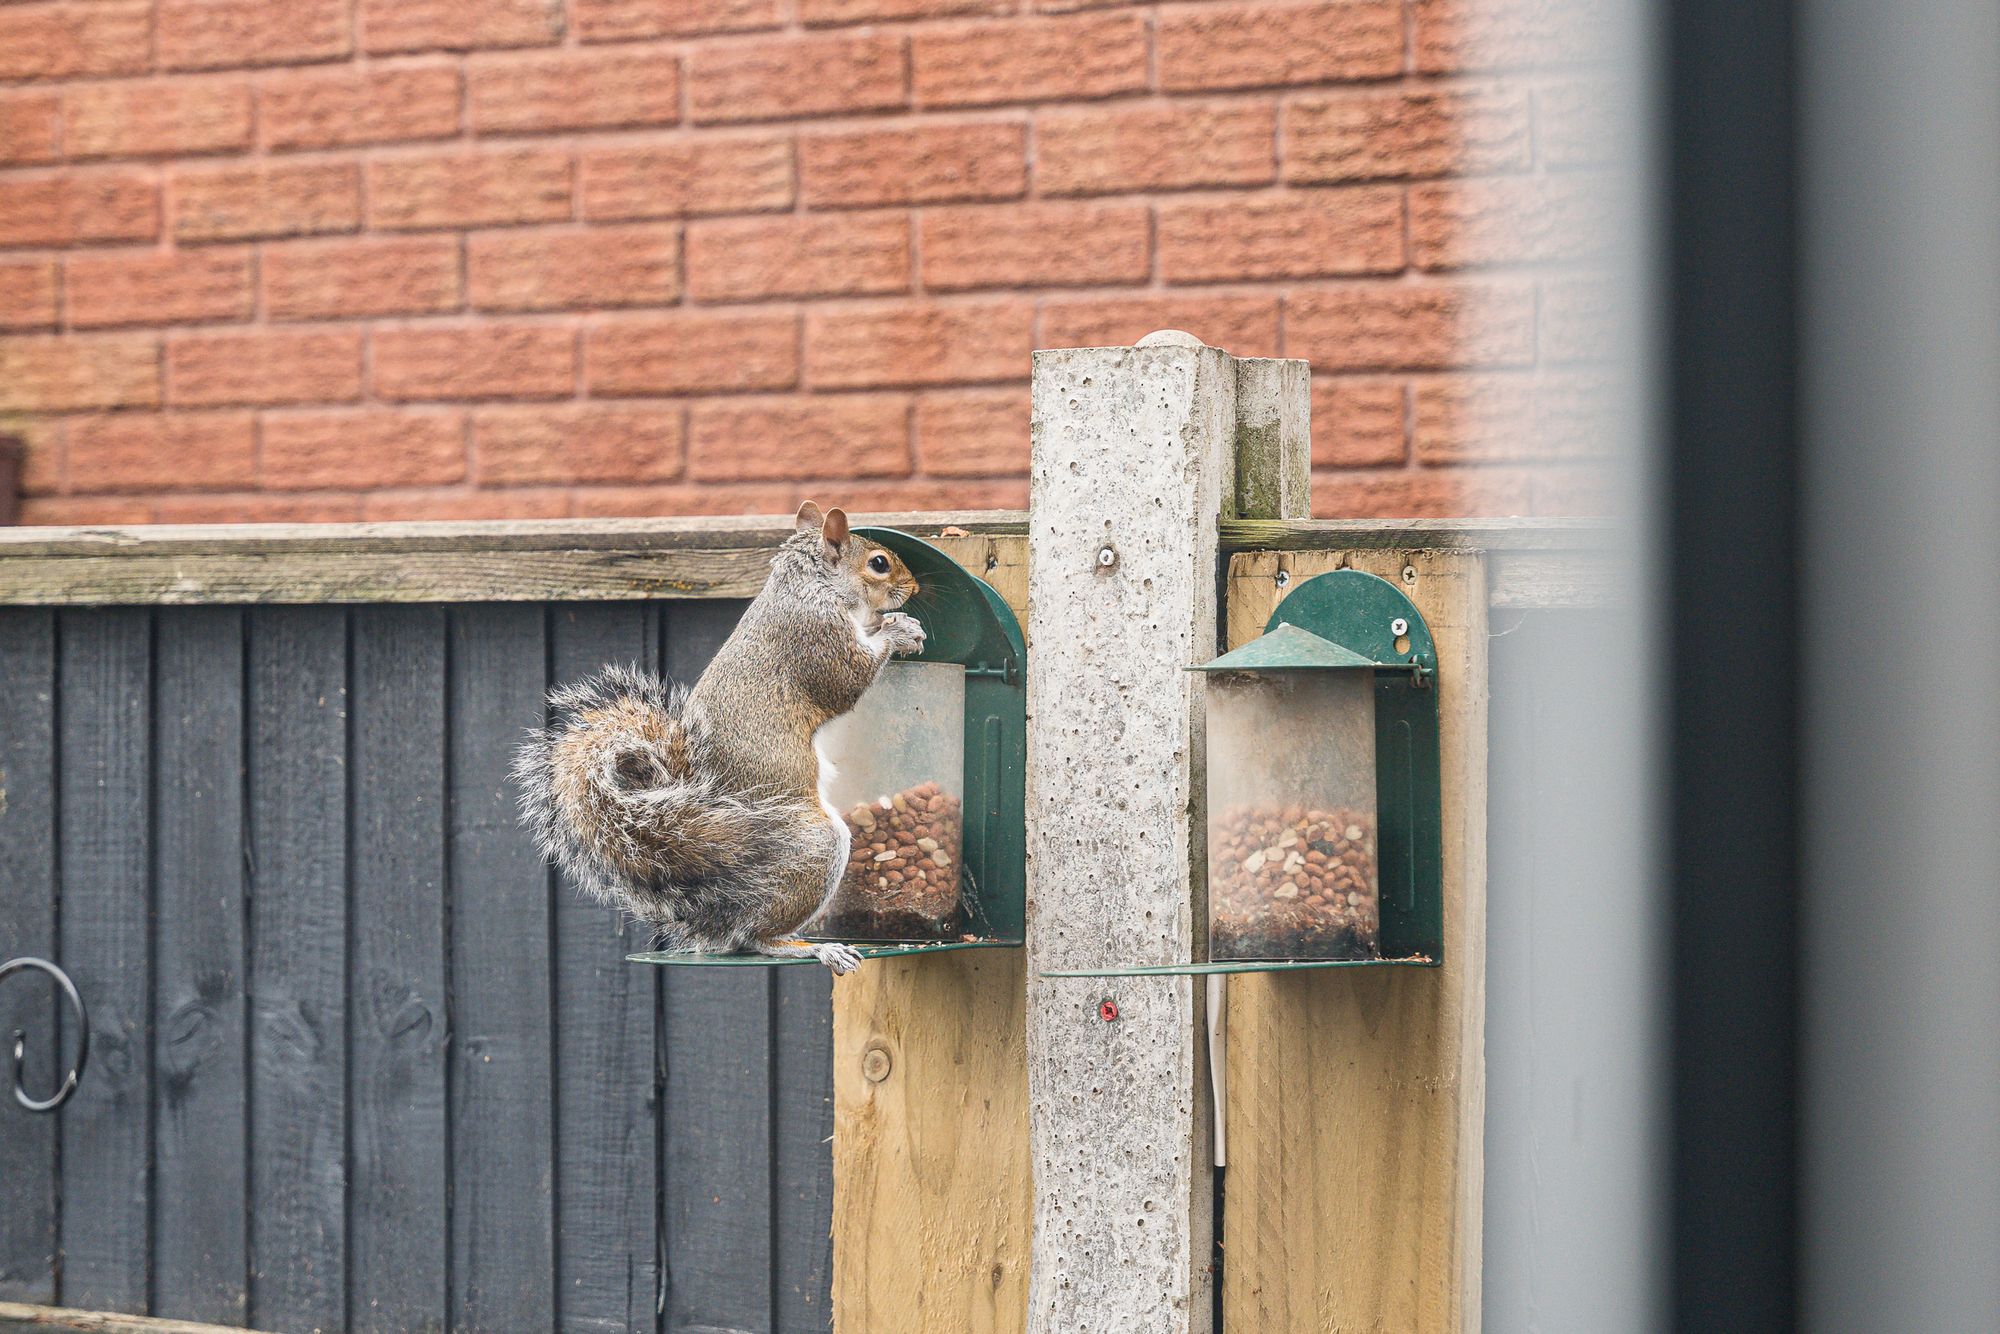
842, 959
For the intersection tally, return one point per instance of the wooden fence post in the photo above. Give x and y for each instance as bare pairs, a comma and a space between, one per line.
1134, 462
930, 1132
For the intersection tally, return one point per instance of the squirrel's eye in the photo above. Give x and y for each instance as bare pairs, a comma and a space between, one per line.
879, 563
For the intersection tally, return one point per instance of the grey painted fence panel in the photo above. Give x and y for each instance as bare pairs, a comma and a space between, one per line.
606, 1094
298, 968
361, 1061
396, 984
200, 1147
718, 1167
28, 926
502, 1094
802, 1162
104, 721
719, 1104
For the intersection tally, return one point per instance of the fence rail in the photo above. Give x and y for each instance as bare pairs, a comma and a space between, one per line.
1534, 562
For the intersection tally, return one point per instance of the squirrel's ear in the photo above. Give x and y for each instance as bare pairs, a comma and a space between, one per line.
834, 530
809, 519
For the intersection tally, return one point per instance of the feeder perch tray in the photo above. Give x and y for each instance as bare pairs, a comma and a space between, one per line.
691, 958
1239, 966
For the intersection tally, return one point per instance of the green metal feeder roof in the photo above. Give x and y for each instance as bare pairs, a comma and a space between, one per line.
1287, 648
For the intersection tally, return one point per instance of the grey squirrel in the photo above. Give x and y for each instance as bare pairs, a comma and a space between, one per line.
700, 810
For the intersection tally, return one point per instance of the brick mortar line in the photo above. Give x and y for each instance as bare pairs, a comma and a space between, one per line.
1413, 378
1275, 188
363, 60
689, 480
1473, 282
580, 141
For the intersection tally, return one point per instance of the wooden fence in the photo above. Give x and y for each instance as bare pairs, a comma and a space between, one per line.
363, 1063
359, 1061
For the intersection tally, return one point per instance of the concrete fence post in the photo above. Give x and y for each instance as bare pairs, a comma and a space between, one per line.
1135, 459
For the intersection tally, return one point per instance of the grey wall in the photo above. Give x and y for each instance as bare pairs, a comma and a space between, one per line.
360, 1061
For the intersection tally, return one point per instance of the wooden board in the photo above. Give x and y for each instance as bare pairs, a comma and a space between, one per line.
19, 1316
1356, 1096
440, 536
28, 926
104, 720
200, 1259
1002, 562
931, 1183
319, 578
502, 1095
931, 1179
606, 1078
1324, 535
569, 561
398, 1024
1535, 562
298, 967
801, 1162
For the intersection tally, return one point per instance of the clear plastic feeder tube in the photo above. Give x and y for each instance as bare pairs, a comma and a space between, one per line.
1292, 864
898, 780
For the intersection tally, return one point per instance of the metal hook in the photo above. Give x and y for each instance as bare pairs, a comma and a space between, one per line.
75, 1075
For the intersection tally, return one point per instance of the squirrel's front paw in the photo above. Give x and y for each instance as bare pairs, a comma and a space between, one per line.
906, 633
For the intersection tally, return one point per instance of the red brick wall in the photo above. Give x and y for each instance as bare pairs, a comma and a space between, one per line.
335, 259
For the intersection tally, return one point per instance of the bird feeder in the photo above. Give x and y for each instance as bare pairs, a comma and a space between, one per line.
1292, 856
1323, 795
929, 774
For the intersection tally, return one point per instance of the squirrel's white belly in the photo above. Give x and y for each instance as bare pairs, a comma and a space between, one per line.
840, 829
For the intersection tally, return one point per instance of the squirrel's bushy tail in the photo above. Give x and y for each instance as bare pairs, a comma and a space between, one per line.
615, 795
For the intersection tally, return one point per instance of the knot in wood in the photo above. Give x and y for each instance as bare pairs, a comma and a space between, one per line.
876, 1063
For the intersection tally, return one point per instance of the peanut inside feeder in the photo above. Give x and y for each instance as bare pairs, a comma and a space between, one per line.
1295, 882
898, 767
1292, 855
902, 873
